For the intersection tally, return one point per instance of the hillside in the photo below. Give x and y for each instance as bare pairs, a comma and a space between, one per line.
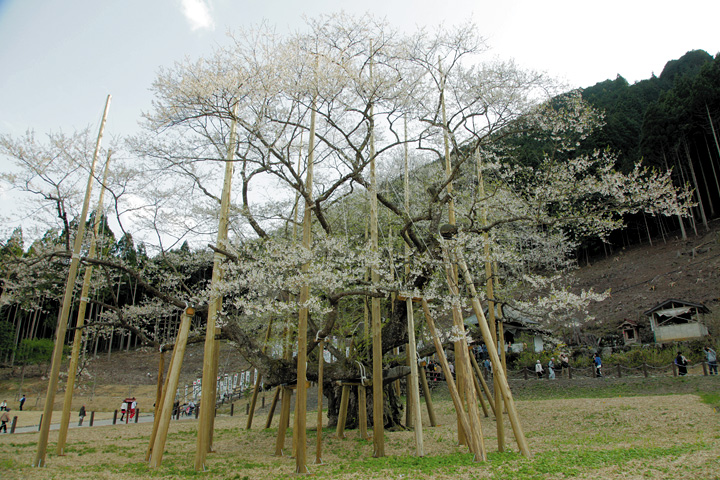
642, 276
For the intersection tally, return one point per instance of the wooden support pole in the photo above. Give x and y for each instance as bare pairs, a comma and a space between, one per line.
159, 387
492, 321
409, 422
497, 364
413, 393
484, 385
377, 353
159, 405
362, 412
273, 404
318, 441
213, 395
80, 322
428, 398
258, 380
463, 362
342, 415
284, 421
457, 402
209, 378
169, 397
301, 393
56, 358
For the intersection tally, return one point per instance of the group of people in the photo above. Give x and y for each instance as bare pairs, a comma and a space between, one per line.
710, 355
128, 407
5, 416
552, 366
681, 362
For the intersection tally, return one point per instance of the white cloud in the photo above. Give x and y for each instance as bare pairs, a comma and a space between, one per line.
197, 12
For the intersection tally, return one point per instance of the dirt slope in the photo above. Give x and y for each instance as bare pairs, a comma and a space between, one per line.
642, 276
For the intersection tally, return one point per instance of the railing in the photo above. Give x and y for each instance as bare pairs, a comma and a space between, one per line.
612, 371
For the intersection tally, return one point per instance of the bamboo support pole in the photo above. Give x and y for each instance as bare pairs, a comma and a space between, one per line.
258, 380
207, 398
428, 398
321, 363
452, 388
67, 304
169, 396
497, 364
80, 322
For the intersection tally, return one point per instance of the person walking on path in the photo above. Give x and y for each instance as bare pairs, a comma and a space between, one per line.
22, 402
681, 363
82, 415
551, 368
539, 369
712, 360
3, 405
4, 418
598, 365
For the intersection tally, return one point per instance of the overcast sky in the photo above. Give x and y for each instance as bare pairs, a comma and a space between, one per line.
60, 59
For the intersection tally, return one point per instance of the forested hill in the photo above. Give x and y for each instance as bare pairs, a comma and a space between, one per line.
636, 115
667, 121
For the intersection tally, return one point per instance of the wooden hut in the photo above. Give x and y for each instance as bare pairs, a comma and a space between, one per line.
675, 320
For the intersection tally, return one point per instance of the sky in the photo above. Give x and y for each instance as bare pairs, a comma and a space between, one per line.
60, 59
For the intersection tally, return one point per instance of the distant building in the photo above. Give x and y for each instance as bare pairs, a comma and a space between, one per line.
674, 320
630, 330
514, 323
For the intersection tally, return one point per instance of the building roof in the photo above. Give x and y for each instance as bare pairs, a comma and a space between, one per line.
673, 303
629, 323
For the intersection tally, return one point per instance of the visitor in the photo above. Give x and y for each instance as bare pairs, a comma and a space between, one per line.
551, 368
82, 415
564, 363
539, 369
22, 402
711, 360
598, 365
3, 405
123, 410
681, 363
133, 407
488, 367
4, 418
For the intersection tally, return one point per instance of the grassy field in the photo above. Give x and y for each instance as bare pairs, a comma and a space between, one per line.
631, 428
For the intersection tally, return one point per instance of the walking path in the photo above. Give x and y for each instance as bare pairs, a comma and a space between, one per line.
101, 419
